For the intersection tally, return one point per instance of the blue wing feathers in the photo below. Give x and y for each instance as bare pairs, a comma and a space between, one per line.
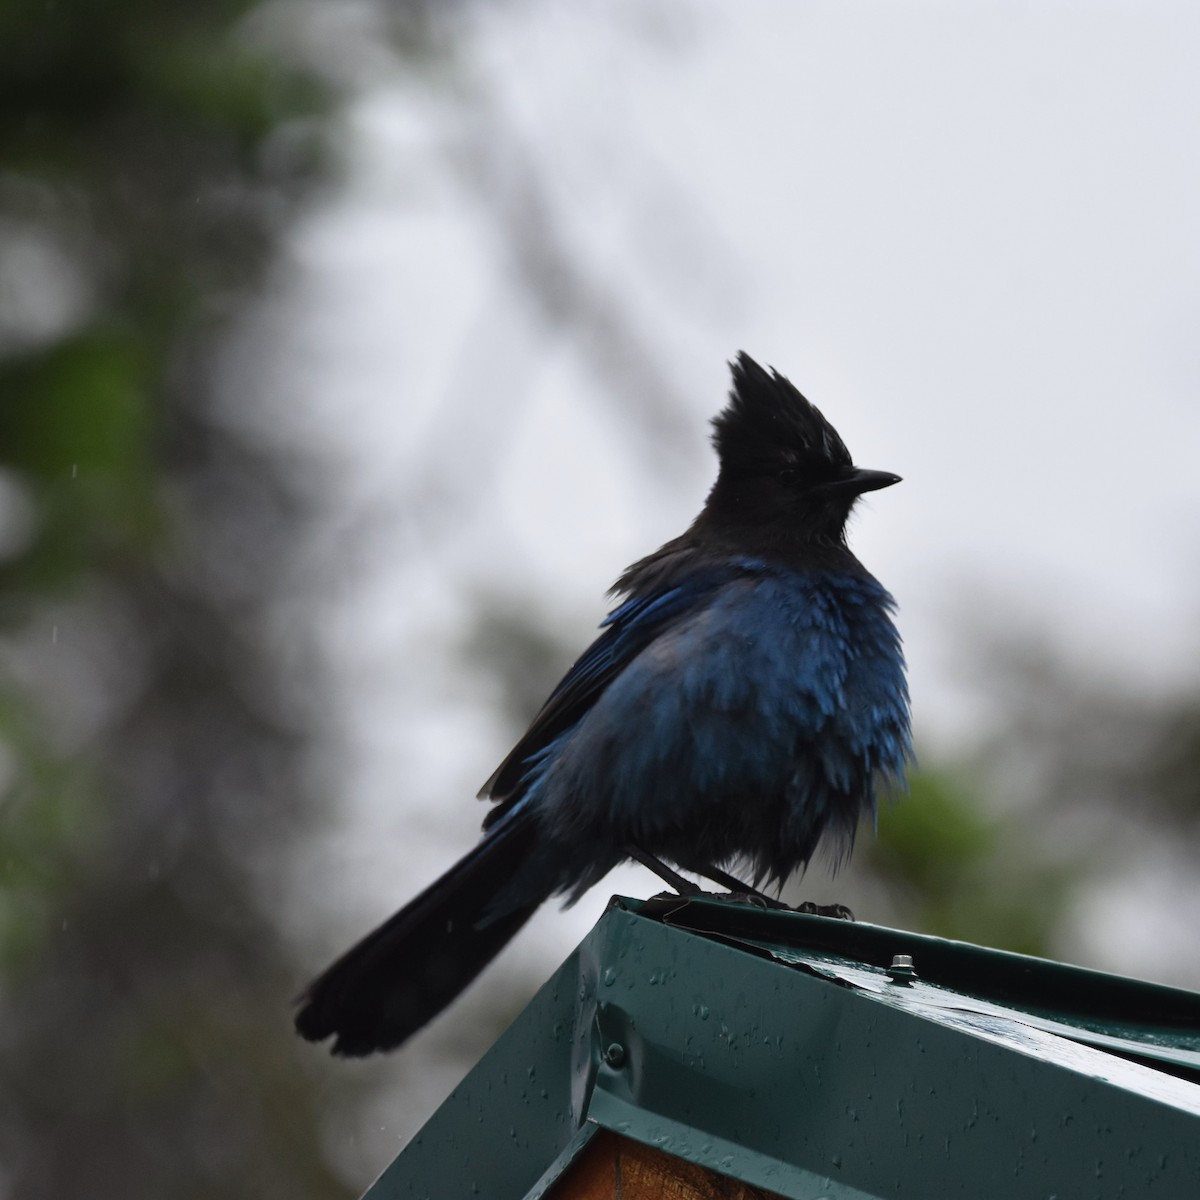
805, 668
626, 632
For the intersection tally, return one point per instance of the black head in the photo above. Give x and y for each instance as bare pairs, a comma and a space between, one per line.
782, 463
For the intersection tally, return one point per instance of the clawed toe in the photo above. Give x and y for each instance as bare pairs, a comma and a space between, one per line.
838, 911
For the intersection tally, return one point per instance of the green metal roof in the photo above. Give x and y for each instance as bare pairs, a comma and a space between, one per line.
786, 1051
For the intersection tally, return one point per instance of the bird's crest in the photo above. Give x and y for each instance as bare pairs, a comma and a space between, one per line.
768, 425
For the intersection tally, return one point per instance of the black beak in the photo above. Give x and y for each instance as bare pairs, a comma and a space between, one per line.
856, 481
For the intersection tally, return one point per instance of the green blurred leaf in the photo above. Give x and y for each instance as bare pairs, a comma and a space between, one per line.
76, 425
964, 872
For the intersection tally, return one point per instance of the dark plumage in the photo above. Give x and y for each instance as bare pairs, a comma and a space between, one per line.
741, 706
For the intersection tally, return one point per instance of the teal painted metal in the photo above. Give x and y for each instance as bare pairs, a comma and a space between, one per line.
1128, 1016
777, 1048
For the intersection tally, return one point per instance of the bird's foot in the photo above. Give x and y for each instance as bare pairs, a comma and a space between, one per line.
769, 904
754, 900
838, 911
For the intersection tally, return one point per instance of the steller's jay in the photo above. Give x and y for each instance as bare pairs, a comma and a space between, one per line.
745, 701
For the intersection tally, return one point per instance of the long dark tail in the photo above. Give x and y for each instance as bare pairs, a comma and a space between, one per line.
403, 974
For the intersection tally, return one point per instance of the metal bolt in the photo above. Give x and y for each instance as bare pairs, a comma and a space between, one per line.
902, 971
615, 1055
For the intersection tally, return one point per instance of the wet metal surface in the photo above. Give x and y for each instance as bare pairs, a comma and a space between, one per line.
797, 1054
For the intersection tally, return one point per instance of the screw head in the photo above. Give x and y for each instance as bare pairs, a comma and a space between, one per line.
902, 971
615, 1054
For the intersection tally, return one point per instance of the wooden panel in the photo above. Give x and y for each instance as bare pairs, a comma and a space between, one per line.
614, 1168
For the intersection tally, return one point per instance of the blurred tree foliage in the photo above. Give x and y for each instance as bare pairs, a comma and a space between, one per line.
954, 868
1083, 783
150, 158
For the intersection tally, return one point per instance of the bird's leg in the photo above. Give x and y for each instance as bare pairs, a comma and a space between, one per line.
685, 887
725, 879
738, 887
752, 895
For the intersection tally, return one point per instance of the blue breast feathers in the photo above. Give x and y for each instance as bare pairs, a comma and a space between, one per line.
741, 716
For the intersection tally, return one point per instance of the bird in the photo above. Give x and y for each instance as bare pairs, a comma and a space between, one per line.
744, 703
